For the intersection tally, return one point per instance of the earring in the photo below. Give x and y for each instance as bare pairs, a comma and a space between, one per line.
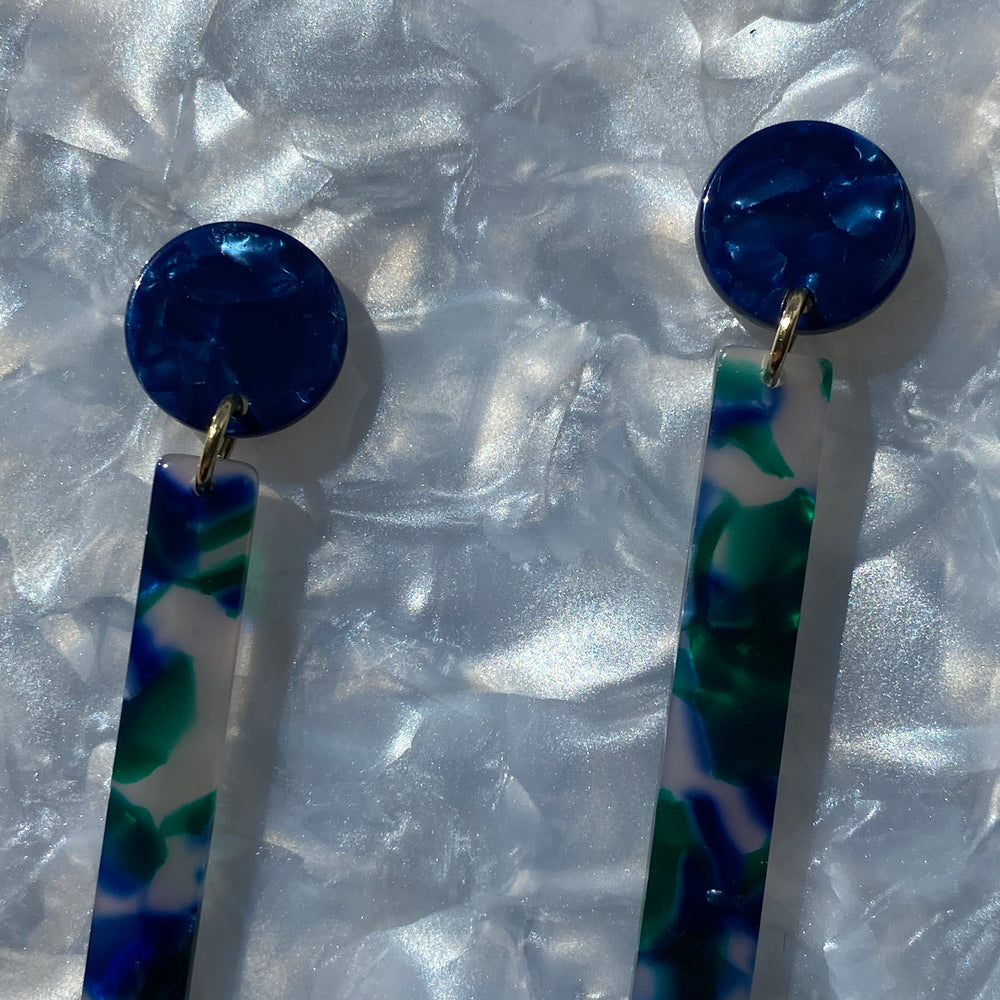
810, 226
240, 329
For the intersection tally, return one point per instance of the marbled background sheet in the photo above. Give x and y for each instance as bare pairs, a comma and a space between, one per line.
468, 564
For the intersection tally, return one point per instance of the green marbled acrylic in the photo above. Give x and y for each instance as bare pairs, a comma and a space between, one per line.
172, 731
715, 808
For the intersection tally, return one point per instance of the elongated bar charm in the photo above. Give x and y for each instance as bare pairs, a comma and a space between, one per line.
726, 722
173, 726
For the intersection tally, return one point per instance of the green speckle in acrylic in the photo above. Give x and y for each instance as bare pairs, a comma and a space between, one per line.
749, 566
215, 534
760, 552
193, 819
133, 845
673, 837
149, 595
755, 868
725, 729
220, 580
757, 441
155, 719
738, 381
826, 383
707, 541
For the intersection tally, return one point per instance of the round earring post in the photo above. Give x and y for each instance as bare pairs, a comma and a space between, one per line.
795, 303
217, 445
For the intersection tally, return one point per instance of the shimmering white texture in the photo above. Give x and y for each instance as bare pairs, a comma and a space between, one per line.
468, 566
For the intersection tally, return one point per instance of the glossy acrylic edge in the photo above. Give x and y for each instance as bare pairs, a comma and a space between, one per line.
170, 741
725, 728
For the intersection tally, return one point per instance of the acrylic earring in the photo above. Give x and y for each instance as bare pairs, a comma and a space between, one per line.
240, 329
807, 226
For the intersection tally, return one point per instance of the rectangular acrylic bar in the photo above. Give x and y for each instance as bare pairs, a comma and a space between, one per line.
173, 726
726, 723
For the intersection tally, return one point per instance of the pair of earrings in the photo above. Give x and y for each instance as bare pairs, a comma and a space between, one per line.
240, 329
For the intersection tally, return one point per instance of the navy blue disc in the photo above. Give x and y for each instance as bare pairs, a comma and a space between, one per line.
805, 205
236, 307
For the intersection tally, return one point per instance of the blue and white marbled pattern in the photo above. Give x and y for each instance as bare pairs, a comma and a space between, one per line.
170, 741
725, 729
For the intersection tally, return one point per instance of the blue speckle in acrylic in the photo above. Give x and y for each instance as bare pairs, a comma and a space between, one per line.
140, 956
805, 205
236, 307
146, 659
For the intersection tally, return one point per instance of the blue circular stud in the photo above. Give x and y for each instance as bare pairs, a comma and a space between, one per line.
236, 308
805, 205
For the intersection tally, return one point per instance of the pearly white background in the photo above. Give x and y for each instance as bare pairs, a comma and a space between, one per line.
469, 559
